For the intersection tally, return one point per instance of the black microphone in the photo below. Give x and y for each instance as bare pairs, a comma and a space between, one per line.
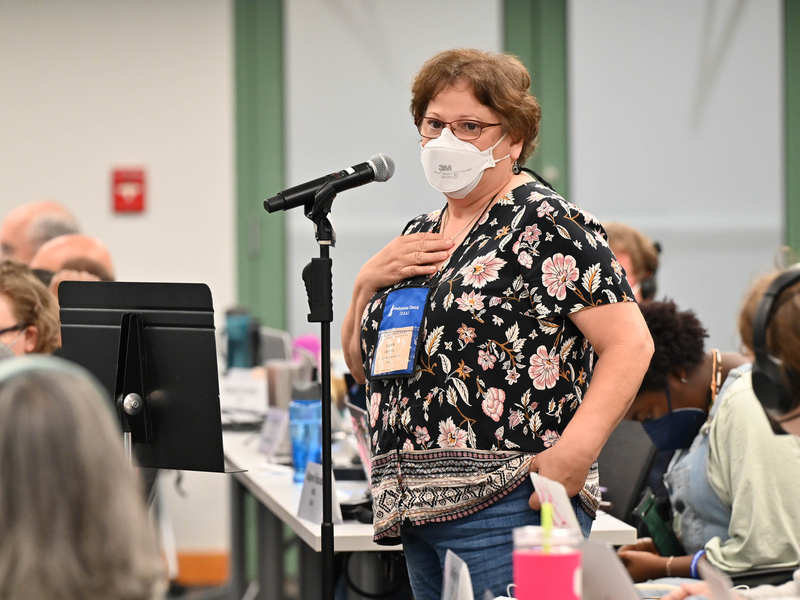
378, 168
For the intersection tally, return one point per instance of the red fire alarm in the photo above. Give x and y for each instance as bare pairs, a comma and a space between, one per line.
128, 189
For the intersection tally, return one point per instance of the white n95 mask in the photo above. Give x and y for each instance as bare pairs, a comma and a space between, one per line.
455, 167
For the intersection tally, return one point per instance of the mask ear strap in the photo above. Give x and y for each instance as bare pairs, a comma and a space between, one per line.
19, 335
669, 398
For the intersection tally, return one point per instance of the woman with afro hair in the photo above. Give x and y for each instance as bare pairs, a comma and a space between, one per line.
732, 503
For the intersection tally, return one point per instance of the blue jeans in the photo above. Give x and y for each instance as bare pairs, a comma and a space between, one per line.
483, 540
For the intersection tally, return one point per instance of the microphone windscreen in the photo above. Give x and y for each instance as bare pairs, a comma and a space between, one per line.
383, 167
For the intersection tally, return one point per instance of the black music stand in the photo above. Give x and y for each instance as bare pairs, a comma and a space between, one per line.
152, 346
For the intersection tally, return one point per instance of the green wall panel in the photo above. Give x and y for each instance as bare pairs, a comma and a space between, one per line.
536, 32
260, 236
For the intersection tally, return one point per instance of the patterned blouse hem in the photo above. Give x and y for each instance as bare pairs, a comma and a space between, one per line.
392, 532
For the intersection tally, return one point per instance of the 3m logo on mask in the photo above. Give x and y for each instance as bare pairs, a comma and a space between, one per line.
464, 163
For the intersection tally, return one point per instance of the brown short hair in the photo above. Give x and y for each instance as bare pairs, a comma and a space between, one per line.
33, 303
782, 335
499, 81
642, 250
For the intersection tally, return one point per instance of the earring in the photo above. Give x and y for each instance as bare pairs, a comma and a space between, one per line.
515, 168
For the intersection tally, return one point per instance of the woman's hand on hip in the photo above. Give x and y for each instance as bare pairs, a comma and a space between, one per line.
558, 464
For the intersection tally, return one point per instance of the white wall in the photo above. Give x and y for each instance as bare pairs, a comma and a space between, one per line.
676, 128
88, 85
350, 65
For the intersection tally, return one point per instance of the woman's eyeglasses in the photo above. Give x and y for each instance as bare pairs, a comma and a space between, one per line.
463, 129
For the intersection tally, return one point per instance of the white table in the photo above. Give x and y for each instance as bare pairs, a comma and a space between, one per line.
611, 530
278, 500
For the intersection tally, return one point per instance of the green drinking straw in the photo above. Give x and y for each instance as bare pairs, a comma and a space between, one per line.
547, 525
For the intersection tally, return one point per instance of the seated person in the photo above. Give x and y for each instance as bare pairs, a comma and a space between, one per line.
73, 522
783, 343
73, 257
725, 486
637, 254
29, 319
25, 228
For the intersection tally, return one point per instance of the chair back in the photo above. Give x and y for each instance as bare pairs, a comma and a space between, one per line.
624, 464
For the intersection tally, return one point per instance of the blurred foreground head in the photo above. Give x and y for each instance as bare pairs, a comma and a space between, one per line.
73, 522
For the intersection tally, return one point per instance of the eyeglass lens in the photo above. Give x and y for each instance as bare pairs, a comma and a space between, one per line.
463, 129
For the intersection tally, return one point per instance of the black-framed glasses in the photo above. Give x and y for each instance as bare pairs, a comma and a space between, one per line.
463, 129
17, 327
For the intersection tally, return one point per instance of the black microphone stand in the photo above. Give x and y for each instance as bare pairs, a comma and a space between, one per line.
318, 279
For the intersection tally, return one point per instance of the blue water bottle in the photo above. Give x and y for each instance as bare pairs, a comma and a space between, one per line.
305, 426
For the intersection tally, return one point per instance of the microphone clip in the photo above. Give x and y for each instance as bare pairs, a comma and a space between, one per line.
318, 212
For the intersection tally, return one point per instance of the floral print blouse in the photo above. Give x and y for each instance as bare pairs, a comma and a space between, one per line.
501, 367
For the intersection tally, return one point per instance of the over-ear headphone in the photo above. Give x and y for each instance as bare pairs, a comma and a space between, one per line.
769, 374
647, 288
647, 284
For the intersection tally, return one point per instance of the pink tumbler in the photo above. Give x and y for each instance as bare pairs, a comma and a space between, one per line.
547, 569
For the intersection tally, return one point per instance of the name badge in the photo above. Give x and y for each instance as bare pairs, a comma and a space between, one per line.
399, 334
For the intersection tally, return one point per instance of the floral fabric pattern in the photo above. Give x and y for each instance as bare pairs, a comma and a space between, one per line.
501, 368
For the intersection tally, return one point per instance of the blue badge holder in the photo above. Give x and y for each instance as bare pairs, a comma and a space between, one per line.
400, 333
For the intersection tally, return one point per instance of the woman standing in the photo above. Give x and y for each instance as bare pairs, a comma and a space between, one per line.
479, 329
